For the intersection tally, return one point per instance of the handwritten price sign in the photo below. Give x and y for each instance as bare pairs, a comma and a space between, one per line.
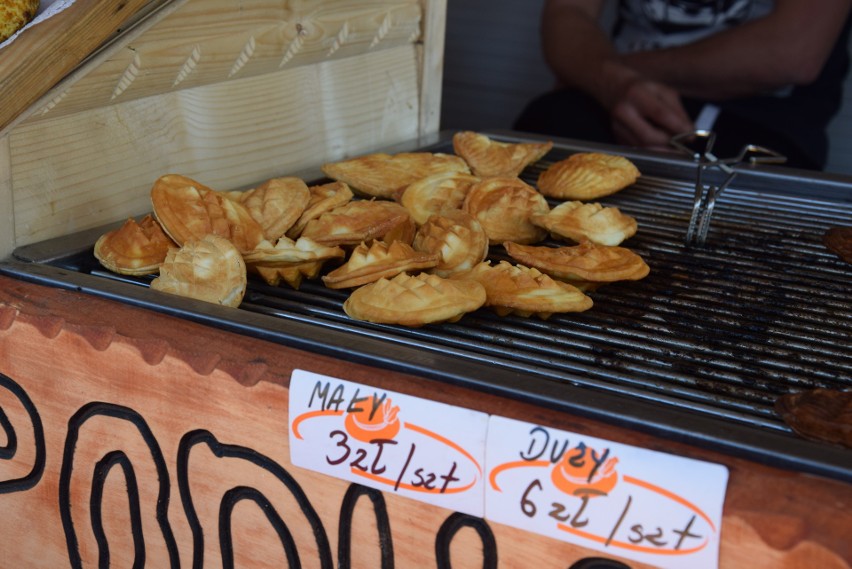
389, 441
647, 506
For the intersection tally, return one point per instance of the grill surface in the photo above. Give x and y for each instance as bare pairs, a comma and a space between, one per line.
699, 350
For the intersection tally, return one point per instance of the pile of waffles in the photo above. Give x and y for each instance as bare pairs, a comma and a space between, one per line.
408, 234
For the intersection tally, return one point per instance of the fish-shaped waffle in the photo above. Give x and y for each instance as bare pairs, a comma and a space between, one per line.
383, 175
323, 198
580, 222
289, 253
135, 248
360, 221
524, 291
436, 194
487, 157
379, 260
587, 176
504, 207
457, 238
209, 269
585, 266
189, 210
414, 300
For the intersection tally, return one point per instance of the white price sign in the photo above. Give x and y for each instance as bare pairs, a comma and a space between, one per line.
389, 441
647, 506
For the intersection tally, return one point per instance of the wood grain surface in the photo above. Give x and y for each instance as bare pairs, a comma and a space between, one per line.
231, 93
190, 413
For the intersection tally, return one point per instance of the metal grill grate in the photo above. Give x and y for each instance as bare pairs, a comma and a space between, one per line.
718, 332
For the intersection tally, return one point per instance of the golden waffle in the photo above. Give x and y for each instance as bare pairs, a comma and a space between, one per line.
585, 265
289, 253
209, 269
524, 291
293, 276
134, 248
587, 222
360, 221
384, 175
324, 197
587, 176
436, 194
379, 260
457, 238
276, 204
414, 301
504, 207
488, 157
189, 210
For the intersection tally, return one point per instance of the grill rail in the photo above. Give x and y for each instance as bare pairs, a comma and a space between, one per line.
712, 336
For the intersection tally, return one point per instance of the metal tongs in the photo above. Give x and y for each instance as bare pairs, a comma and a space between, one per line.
706, 195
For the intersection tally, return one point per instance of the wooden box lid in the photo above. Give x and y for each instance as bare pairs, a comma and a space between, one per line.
112, 95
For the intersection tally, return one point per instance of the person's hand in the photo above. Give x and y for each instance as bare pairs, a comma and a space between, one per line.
647, 114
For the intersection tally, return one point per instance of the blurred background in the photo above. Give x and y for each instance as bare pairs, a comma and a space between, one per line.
493, 66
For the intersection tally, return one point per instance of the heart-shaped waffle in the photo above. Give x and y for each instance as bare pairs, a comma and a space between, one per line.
367, 264
383, 175
586, 265
487, 157
436, 194
361, 221
587, 176
520, 290
189, 210
134, 248
504, 207
276, 204
580, 222
457, 238
209, 269
414, 300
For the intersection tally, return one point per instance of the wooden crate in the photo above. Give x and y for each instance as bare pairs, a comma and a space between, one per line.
227, 92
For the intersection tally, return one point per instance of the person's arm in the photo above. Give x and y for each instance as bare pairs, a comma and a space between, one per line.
580, 53
787, 47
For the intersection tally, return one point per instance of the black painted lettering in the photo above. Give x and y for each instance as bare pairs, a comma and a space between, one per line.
352, 407
598, 462
320, 390
528, 506
556, 510
342, 443
448, 477
404, 467
618, 523
577, 522
578, 456
539, 439
376, 468
336, 398
377, 403
360, 455
656, 538
685, 533
637, 536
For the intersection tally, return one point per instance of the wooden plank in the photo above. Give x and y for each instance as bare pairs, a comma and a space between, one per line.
105, 380
94, 167
215, 41
432, 65
7, 210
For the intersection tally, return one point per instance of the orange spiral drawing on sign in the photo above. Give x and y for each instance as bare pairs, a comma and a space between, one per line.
368, 423
585, 477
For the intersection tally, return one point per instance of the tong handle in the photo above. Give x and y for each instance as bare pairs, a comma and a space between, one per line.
704, 199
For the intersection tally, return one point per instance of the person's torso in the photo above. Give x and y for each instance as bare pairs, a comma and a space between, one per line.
654, 24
